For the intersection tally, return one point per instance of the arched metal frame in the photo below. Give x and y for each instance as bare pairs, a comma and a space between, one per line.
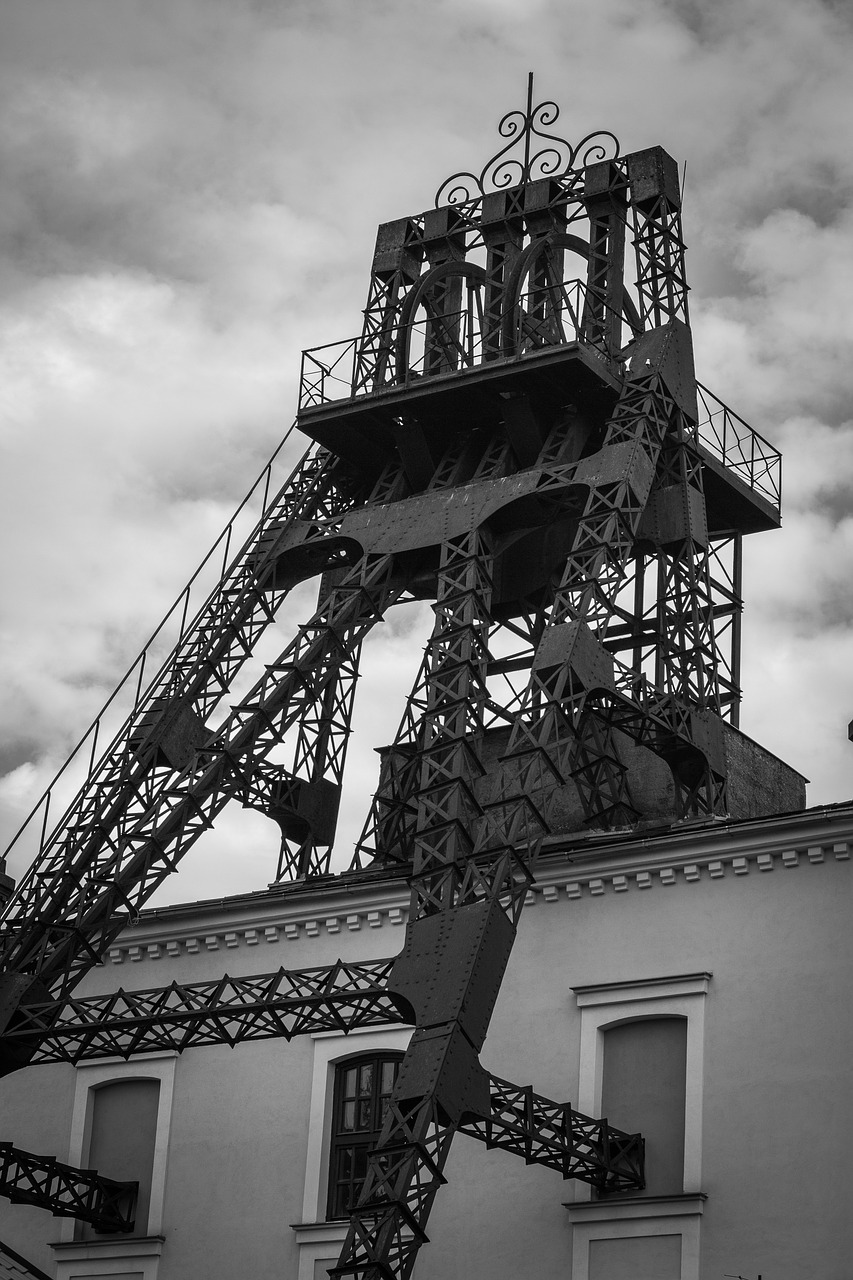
453, 336
553, 293
450, 350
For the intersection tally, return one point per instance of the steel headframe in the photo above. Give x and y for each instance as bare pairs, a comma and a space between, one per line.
524, 447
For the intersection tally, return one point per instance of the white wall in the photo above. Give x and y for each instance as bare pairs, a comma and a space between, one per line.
777, 1047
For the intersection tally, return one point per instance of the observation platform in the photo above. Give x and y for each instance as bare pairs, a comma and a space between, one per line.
365, 425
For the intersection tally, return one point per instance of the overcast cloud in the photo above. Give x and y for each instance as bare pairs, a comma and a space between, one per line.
190, 196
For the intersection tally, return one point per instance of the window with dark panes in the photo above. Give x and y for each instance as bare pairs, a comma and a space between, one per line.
363, 1087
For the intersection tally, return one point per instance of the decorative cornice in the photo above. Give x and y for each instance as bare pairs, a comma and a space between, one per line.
649, 868
263, 920
670, 985
691, 857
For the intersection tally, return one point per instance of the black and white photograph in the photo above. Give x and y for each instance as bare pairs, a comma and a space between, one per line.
426, 648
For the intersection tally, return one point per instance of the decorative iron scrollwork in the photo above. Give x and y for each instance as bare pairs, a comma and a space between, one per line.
525, 129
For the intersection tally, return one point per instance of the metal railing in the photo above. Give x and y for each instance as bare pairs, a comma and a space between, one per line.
330, 378
742, 450
443, 343
549, 316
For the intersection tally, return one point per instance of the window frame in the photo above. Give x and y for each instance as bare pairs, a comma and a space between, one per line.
318, 1239
91, 1160
359, 1138
609, 1004
606, 1108
118, 1255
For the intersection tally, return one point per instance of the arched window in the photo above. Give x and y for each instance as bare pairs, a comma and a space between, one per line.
122, 1130
643, 1090
362, 1091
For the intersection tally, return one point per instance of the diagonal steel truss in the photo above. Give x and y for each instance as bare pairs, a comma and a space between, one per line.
67, 1192
524, 448
286, 1003
339, 997
554, 1134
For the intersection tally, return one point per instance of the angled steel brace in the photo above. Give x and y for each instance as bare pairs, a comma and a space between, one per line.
441, 1080
168, 719
554, 1134
65, 1191
63, 900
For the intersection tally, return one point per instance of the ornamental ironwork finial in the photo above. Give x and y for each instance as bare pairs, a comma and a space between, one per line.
523, 128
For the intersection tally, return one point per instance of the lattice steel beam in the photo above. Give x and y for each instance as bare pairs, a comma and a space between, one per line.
168, 719
404, 1173
403, 1177
66, 1192
658, 240
67, 910
554, 1134
287, 1003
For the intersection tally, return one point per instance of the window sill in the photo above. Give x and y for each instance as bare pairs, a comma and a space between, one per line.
318, 1242
320, 1230
635, 1222
112, 1256
618, 1210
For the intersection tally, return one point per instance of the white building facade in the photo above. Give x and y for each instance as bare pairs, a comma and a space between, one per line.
691, 984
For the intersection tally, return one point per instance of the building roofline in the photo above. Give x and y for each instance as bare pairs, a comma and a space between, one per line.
573, 847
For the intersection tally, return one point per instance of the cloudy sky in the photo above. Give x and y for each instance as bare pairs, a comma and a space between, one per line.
190, 194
